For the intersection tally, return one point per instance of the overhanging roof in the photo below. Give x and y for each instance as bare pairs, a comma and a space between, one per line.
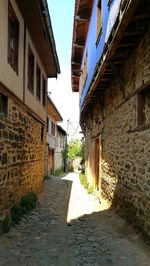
53, 111
37, 19
131, 23
125, 36
61, 130
81, 21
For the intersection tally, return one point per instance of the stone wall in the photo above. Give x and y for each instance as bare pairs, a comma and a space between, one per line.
125, 142
21, 155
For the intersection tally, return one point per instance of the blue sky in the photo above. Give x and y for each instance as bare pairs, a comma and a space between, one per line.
67, 102
62, 13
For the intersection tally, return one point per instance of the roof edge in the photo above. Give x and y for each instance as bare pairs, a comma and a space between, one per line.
59, 128
46, 14
50, 100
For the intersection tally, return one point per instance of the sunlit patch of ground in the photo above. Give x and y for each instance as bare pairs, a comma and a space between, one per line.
80, 202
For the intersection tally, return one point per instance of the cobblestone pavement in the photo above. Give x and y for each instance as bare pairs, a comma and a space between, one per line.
71, 228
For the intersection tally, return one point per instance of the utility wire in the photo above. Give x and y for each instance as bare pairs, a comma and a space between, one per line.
75, 131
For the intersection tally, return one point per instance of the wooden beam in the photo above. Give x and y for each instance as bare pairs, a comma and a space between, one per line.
75, 77
76, 63
132, 33
78, 45
126, 44
140, 16
78, 18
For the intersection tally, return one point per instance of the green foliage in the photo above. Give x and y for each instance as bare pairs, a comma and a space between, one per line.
6, 224
16, 213
90, 190
84, 182
58, 172
75, 149
27, 203
47, 177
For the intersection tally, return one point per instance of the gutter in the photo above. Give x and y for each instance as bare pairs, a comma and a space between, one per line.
47, 18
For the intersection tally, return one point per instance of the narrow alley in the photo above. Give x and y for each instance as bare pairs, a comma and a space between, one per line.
71, 228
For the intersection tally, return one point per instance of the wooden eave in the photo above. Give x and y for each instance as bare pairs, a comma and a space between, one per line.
52, 111
124, 38
37, 20
81, 22
61, 130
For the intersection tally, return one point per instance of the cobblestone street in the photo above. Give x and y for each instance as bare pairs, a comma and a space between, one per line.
71, 228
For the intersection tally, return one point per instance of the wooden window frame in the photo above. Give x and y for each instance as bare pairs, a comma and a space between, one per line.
44, 90
52, 128
13, 38
47, 124
85, 71
38, 82
98, 22
31, 63
42, 134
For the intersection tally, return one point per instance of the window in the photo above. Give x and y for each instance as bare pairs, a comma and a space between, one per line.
38, 83
52, 129
30, 70
13, 39
99, 21
44, 92
3, 105
143, 108
42, 134
85, 71
47, 124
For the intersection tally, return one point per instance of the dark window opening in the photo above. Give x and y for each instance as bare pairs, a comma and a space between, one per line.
42, 134
47, 124
85, 71
13, 38
44, 92
52, 129
99, 21
30, 70
143, 108
38, 83
3, 105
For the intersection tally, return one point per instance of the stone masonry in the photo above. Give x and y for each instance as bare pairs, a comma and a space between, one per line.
21, 155
87, 234
125, 141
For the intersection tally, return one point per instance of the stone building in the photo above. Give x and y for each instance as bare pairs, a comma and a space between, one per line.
111, 71
28, 57
53, 116
60, 150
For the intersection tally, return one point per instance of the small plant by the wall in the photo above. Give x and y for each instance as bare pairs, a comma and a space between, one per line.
6, 224
27, 203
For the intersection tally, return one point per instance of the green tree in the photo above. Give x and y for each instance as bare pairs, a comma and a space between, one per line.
75, 148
